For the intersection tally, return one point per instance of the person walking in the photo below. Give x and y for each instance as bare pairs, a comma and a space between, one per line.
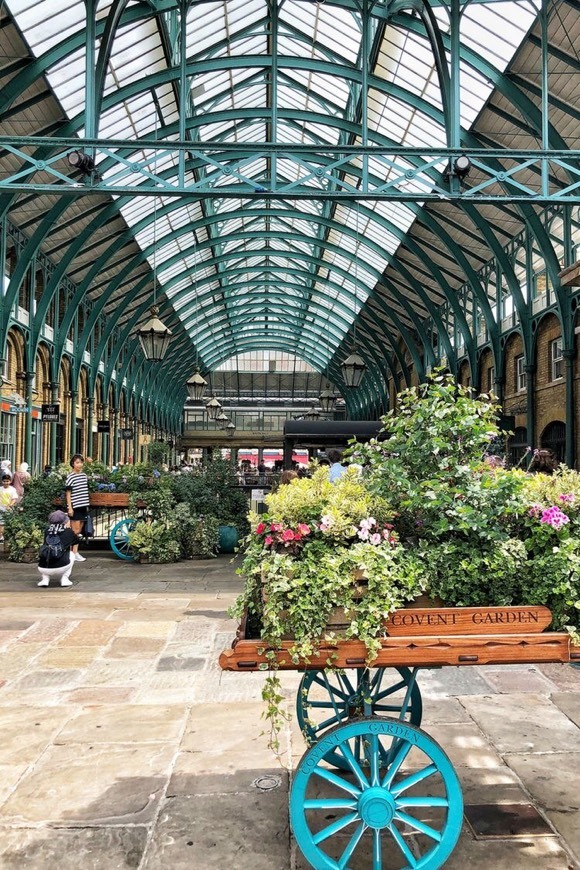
20, 479
56, 557
8, 498
77, 500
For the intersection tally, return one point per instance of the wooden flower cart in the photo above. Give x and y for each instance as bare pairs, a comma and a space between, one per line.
111, 521
373, 787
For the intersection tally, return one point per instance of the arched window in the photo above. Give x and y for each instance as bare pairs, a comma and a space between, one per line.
517, 445
554, 438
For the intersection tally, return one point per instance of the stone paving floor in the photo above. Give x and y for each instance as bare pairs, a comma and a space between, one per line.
122, 744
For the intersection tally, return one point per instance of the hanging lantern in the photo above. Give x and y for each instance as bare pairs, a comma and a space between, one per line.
353, 368
230, 429
196, 386
327, 400
213, 408
222, 420
154, 337
312, 414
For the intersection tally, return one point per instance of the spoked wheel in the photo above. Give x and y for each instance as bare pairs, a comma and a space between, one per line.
327, 698
119, 539
397, 804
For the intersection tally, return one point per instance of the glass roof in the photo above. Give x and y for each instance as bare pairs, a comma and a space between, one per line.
269, 270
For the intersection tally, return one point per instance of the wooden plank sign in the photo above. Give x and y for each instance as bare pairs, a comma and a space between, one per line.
445, 621
248, 655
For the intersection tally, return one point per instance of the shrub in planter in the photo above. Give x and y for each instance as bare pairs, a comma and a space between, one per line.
23, 537
198, 535
155, 541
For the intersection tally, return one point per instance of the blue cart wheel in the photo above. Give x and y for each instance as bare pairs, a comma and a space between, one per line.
119, 539
327, 698
399, 804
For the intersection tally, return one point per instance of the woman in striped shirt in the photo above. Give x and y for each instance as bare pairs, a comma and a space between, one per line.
77, 499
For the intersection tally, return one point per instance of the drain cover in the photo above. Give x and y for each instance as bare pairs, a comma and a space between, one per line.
267, 783
506, 820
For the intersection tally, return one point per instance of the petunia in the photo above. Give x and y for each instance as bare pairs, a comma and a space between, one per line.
268, 541
375, 539
303, 529
260, 528
287, 535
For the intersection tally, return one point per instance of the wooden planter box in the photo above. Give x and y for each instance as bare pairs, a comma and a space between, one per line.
419, 636
109, 499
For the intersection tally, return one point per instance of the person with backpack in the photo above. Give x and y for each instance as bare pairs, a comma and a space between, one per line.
56, 557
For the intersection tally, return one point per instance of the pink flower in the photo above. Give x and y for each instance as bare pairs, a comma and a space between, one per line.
260, 528
297, 536
375, 539
568, 498
268, 541
287, 535
554, 517
276, 527
303, 529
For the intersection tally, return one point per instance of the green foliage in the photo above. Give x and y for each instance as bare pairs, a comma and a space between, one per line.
198, 535
157, 453
22, 533
461, 527
213, 490
158, 501
40, 497
155, 541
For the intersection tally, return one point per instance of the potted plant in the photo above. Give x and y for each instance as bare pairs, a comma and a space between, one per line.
155, 541
23, 537
198, 535
323, 563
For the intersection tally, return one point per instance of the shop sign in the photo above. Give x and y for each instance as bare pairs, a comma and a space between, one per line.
50, 413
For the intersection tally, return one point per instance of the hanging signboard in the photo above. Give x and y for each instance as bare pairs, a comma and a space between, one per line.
103, 426
127, 434
50, 413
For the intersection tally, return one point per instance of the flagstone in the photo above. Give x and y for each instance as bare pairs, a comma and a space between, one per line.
134, 647
27, 731
18, 658
10, 774
90, 632
108, 783
146, 629
57, 678
113, 672
115, 724
219, 831
62, 657
521, 722
100, 695
104, 848
46, 630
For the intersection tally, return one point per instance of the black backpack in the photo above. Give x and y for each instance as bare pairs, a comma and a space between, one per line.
52, 550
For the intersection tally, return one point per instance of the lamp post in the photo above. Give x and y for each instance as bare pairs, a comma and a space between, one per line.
222, 420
